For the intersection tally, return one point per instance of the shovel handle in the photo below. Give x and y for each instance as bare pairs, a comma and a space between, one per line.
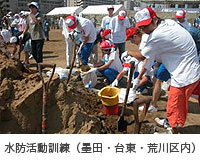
72, 64
128, 87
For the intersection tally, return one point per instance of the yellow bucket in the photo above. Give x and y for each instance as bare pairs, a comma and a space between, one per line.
109, 95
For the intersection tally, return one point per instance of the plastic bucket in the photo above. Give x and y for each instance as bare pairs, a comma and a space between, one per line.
111, 110
109, 96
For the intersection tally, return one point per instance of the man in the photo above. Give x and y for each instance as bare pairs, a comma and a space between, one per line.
180, 15
106, 20
46, 28
88, 35
34, 25
172, 45
118, 26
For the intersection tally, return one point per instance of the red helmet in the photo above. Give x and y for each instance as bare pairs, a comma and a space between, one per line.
130, 32
106, 34
106, 44
71, 22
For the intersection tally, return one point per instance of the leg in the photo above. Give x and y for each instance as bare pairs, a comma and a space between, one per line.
85, 53
156, 92
177, 105
34, 50
110, 74
121, 47
69, 52
40, 44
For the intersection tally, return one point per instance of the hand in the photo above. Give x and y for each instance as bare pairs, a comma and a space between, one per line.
136, 83
92, 70
21, 36
114, 83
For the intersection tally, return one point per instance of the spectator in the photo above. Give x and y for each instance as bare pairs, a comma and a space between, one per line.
106, 20
197, 22
34, 25
118, 26
46, 28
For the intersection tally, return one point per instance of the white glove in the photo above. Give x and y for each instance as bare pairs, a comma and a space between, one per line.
21, 36
114, 83
136, 83
92, 70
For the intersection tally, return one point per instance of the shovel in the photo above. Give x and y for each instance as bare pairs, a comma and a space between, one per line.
72, 64
121, 123
45, 94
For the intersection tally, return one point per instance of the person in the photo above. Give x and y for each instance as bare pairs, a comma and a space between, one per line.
15, 24
106, 20
118, 26
34, 25
175, 48
46, 28
22, 21
180, 15
195, 33
112, 65
24, 44
197, 22
135, 36
88, 36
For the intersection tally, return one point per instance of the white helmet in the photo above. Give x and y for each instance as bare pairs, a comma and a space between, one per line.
13, 39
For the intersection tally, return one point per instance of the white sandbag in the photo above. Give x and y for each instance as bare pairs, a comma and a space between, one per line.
122, 94
89, 76
63, 73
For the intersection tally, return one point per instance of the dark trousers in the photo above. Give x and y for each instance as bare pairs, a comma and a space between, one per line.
36, 47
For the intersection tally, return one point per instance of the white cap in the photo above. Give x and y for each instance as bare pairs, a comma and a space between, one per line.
180, 13
33, 4
110, 7
122, 14
13, 39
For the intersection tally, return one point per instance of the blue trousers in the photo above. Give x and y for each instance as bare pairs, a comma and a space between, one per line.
121, 47
110, 74
85, 53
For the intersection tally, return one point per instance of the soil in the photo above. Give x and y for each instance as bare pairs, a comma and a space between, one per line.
71, 108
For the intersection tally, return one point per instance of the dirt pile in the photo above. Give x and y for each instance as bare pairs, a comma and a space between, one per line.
71, 109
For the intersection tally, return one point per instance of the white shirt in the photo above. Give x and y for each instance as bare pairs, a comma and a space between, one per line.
86, 27
116, 64
176, 49
106, 22
118, 29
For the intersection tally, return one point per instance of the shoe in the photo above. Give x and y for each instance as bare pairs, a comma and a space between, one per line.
151, 109
31, 56
168, 131
163, 123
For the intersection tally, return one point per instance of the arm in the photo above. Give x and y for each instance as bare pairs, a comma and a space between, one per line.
137, 55
120, 75
105, 65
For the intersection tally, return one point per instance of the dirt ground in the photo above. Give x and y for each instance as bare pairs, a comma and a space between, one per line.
71, 108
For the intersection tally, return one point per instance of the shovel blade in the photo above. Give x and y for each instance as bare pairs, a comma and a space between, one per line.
121, 125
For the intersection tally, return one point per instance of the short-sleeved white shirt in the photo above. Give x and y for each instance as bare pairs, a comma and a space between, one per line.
118, 29
86, 27
106, 22
176, 49
116, 64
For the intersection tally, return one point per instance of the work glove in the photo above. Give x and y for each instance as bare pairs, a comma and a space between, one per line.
114, 83
92, 70
21, 36
136, 83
